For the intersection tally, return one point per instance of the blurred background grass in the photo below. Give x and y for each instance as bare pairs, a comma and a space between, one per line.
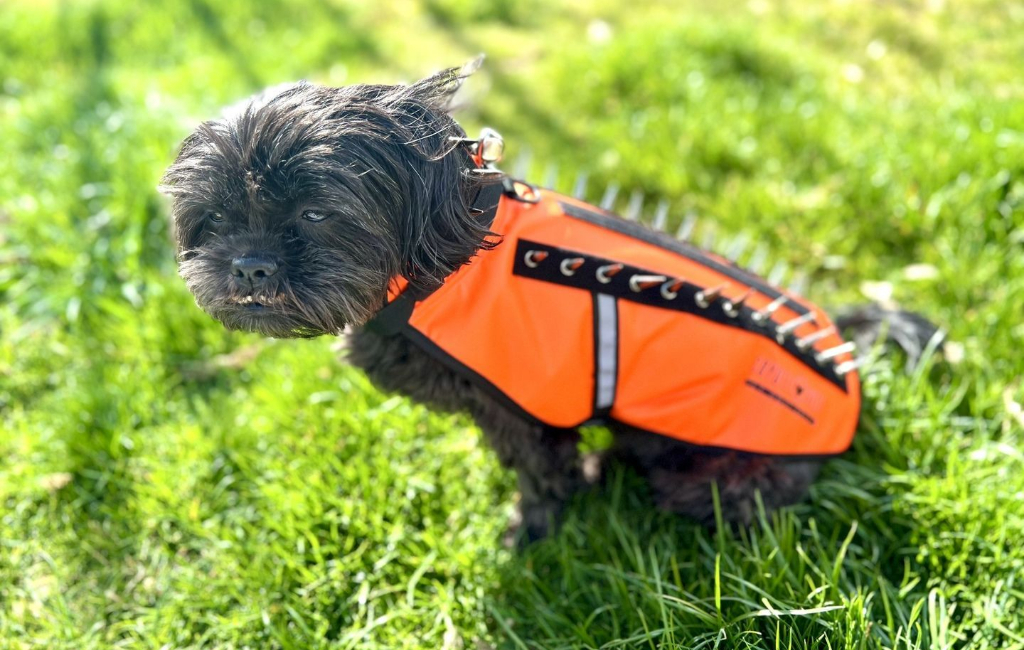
167, 484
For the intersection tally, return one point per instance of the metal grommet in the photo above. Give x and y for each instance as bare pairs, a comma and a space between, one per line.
670, 289
731, 307
640, 282
705, 297
605, 273
531, 194
532, 258
569, 265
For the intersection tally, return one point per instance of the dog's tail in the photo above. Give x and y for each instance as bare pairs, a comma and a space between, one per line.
913, 333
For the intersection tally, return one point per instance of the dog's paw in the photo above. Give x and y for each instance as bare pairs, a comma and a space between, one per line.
592, 467
531, 523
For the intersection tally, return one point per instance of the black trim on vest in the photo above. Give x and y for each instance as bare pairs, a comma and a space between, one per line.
423, 342
637, 231
585, 277
392, 316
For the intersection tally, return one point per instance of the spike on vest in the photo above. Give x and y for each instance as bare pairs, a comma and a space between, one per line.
578, 316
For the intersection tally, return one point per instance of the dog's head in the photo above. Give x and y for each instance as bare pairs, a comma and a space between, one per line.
294, 214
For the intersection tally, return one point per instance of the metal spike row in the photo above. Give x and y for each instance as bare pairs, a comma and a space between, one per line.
769, 309
605, 273
570, 265
636, 204
686, 228
533, 258
731, 306
845, 367
610, 194
640, 282
782, 331
660, 215
670, 289
832, 353
705, 297
579, 188
811, 339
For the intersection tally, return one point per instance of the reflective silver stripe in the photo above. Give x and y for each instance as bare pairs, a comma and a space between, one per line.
606, 348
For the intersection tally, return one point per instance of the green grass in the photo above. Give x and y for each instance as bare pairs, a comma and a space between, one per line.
167, 484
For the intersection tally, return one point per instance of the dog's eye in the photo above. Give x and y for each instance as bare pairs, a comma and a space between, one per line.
314, 215
215, 217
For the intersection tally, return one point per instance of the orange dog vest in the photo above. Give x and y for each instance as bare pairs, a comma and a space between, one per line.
578, 316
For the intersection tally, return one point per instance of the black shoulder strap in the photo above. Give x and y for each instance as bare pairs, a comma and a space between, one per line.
390, 319
485, 203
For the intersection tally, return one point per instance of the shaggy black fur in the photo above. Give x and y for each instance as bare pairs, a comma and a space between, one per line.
340, 189
293, 215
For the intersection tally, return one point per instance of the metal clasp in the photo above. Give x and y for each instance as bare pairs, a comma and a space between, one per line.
487, 150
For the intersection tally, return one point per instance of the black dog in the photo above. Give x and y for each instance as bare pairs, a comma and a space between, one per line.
294, 217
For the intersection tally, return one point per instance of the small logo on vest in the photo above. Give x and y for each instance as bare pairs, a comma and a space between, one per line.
791, 390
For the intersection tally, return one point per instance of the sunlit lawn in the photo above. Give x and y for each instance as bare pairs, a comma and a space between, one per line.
167, 484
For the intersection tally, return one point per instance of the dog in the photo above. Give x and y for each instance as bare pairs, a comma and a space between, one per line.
315, 210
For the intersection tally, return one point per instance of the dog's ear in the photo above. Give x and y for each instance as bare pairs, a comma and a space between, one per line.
438, 89
439, 232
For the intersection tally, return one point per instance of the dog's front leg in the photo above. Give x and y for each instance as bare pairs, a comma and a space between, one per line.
547, 465
545, 459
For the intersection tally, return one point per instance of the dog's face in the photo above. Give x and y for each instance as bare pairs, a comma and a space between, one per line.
293, 215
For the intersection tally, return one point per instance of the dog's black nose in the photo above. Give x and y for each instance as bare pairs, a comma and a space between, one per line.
253, 267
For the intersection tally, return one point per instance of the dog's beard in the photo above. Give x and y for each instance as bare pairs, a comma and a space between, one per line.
293, 303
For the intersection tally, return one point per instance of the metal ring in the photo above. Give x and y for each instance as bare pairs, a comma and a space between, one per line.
705, 297
528, 259
512, 190
666, 291
564, 266
732, 307
602, 273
